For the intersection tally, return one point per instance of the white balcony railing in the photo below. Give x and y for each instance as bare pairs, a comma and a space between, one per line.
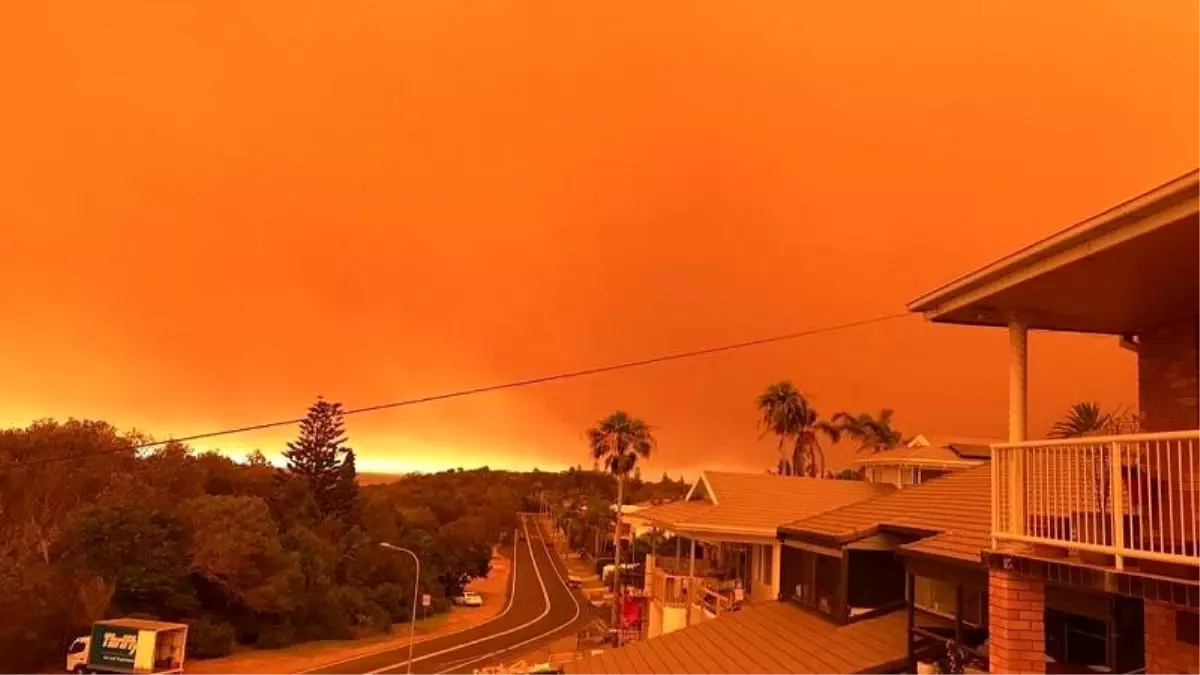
678, 590
675, 590
1131, 496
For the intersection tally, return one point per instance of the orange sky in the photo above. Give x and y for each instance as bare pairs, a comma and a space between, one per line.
213, 211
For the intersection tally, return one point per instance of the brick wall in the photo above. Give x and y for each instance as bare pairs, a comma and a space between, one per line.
1165, 654
1168, 376
1016, 628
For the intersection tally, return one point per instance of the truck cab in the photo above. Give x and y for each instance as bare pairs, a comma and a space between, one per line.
77, 655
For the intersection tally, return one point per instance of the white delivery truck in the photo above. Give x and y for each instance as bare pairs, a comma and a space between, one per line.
129, 646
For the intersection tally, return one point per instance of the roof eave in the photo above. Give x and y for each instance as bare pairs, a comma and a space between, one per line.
954, 463
939, 303
717, 530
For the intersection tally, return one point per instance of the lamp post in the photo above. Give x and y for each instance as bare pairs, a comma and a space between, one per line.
412, 619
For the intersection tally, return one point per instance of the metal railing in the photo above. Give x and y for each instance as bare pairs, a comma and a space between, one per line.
1131, 496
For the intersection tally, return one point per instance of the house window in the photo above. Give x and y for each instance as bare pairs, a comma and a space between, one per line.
929, 474
765, 571
938, 597
812, 580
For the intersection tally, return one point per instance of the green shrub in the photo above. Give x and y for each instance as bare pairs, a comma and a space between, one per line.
275, 636
209, 638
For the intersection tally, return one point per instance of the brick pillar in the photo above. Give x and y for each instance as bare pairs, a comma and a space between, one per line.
1016, 629
1169, 400
1164, 652
1168, 375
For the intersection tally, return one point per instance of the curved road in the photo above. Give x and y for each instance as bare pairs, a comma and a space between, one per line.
540, 608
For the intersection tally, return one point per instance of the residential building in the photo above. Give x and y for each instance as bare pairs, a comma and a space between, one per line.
633, 525
846, 578
1053, 556
732, 559
922, 459
1113, 517
883, 584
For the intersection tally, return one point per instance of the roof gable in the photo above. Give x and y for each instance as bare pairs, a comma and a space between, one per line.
701, 490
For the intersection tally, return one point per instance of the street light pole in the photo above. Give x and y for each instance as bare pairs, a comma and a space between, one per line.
412, 619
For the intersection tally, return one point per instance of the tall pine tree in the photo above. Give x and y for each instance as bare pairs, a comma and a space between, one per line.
320, 456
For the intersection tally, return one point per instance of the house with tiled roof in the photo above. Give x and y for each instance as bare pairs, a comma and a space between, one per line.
924, 458
918, 548
843, 589
730, 522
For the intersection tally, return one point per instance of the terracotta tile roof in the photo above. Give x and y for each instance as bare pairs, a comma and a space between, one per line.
757, 504
954, 509
920, 455
777, 637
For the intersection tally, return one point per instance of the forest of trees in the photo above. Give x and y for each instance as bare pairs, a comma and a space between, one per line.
91, 527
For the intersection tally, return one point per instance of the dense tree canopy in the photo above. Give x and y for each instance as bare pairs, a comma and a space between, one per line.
243, 552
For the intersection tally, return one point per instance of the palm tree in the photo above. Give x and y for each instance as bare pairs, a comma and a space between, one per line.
786, 413
1087, 418
872, 433
617, 441
1083, 419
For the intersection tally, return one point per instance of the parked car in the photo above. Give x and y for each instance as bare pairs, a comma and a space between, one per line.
574, 581
468, 599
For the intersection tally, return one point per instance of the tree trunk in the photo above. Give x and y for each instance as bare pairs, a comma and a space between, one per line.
616, 617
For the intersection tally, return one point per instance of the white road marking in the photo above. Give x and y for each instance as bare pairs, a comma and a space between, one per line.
508, 605
545, 596
570, 592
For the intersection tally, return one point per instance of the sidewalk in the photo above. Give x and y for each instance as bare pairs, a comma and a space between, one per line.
310, 655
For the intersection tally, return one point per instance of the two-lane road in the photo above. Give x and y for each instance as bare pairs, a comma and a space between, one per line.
540, 608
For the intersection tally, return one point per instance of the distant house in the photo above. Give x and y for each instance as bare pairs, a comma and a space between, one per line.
924, 458
633, 525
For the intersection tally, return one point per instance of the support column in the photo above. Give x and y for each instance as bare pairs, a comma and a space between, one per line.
690, 595
910, 595
1016, 623
776, 570
1018, 375
1018, 419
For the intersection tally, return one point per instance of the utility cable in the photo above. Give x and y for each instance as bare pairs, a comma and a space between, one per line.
676, 356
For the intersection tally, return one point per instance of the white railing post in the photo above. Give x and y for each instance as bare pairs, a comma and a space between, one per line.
1115, 492
994, 471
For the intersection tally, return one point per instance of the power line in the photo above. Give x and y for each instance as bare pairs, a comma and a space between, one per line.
497, 387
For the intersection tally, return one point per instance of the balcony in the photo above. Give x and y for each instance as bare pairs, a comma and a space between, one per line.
1120, 501
703, 590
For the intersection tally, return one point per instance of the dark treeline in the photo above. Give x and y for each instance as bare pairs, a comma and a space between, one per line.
242, 552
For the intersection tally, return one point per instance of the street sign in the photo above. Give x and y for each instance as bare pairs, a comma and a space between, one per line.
426, 600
